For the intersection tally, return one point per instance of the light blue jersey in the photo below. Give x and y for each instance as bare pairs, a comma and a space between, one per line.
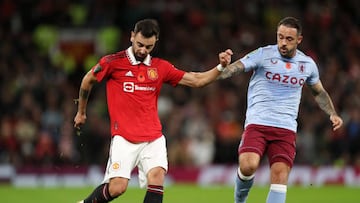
275, 86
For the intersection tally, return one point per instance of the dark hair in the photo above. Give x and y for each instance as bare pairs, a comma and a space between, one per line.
148, 28
291, 22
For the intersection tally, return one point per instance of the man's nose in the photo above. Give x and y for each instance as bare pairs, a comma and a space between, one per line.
283, 41
142, 50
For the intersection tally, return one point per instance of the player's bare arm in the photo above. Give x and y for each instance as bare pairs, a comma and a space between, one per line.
324, 101
201, 79
233, 69
198, 79
84, 92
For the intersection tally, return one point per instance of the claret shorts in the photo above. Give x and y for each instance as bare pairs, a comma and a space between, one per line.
278, 143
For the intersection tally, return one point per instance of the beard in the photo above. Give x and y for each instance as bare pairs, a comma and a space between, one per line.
285, 52
140, 57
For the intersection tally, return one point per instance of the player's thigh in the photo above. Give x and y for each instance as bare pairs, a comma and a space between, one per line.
153, 156
252, 147
282, 147
252, 140
123, 157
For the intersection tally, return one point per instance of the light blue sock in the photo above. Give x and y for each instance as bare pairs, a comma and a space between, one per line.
242, 187
277, 194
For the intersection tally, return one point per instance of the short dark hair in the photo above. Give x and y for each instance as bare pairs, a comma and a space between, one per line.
291, 22
148, 28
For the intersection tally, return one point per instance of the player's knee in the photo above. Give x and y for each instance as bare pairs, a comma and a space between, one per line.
248, 166
248, 170
248, 163
156, 176
117, 187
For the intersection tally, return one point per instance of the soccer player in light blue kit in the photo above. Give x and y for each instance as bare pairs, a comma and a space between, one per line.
279, 74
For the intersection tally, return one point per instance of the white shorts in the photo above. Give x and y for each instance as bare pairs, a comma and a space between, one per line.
124, 156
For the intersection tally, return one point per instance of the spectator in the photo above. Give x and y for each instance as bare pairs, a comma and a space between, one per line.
27, 73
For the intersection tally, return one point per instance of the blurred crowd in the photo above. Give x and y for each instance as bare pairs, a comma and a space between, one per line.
40, 76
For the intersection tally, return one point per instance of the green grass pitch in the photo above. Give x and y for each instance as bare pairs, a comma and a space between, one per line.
181, 193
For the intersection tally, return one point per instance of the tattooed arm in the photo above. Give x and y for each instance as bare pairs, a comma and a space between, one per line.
234, 68
85, 88
324, 101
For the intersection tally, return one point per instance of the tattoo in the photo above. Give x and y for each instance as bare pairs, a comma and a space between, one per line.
231, 70
325, 103
84, 94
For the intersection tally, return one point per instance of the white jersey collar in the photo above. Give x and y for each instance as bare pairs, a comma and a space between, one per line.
133, 61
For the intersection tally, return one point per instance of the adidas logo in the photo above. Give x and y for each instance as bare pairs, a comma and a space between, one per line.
129, 74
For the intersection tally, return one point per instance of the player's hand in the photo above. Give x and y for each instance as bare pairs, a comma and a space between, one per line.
225, 57
336, 121
79, 120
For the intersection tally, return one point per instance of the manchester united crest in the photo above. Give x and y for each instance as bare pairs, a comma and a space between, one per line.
115, 166
152, 73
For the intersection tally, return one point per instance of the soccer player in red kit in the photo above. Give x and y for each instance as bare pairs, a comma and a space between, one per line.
133, 82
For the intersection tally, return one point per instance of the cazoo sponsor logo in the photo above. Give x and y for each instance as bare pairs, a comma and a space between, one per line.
285, 79
131, 87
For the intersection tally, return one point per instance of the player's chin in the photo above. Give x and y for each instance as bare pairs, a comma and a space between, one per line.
285, 53
140, 57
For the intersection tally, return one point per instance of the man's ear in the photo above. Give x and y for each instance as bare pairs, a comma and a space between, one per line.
299, 39
132, 36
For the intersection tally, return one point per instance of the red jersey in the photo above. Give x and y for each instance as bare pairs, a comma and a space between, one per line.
132, 90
